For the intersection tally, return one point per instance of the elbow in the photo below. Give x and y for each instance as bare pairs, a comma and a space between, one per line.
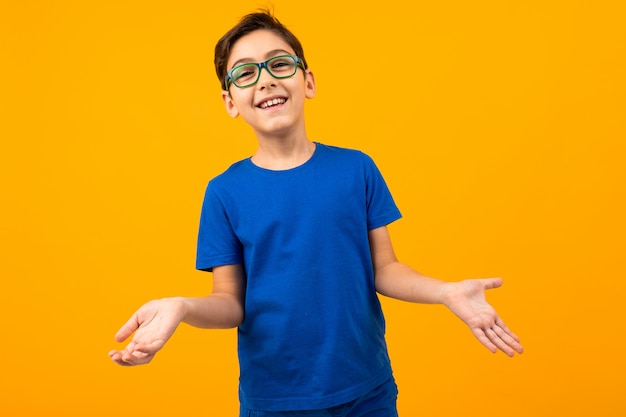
234, 318
384, 279
237, 319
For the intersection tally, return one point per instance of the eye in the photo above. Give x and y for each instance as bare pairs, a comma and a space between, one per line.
245, 74
282, 65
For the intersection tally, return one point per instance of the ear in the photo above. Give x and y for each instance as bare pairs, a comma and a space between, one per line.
309, 84
231, 108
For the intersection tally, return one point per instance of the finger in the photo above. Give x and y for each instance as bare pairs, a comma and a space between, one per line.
116, 357
128, 362
491, 283
482, 338
494, 334
127, 329
512, 345
137, 353
501, 324
504, 336
498, 342
126, 354
137, 357
505, 340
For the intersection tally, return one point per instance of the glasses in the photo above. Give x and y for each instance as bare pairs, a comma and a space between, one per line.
246, 75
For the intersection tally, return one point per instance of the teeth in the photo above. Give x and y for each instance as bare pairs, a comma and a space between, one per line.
273, 102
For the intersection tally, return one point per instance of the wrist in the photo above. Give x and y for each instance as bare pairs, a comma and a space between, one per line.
179, 305
447, 294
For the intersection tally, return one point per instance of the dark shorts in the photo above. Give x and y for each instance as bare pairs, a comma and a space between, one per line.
380, 402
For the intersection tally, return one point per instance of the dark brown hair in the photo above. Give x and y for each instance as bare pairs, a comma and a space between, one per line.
261, 20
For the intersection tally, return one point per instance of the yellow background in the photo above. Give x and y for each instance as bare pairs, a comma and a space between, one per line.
500, 129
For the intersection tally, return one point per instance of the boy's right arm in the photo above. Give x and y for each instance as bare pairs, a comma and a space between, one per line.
155, 322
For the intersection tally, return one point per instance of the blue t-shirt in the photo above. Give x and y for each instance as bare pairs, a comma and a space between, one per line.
313, 329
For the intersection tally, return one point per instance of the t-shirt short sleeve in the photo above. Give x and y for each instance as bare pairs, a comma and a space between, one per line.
217, 242
381, 208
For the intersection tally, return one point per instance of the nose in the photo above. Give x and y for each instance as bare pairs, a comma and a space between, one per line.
265, 79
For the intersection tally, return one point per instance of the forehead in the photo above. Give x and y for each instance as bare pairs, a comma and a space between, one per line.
256, 46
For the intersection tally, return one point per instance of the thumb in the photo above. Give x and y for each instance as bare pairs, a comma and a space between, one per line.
491, 283
127, 329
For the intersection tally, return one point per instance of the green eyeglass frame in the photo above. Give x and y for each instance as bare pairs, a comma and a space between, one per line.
298, 63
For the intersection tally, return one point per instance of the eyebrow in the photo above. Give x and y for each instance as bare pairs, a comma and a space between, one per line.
268, 55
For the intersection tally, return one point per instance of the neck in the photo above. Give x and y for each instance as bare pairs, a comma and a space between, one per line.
283, 153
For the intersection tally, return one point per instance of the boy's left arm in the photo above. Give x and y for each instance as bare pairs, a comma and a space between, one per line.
466, 299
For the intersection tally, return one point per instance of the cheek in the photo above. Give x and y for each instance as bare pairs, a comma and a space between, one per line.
242, 99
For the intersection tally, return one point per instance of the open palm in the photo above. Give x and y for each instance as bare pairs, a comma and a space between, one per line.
153, 324
466, 299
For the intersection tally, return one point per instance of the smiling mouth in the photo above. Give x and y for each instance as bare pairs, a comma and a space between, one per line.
273, 102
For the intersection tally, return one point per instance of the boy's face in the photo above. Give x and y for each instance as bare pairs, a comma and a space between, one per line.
287, 115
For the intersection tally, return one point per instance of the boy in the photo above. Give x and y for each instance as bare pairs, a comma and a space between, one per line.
296, 239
